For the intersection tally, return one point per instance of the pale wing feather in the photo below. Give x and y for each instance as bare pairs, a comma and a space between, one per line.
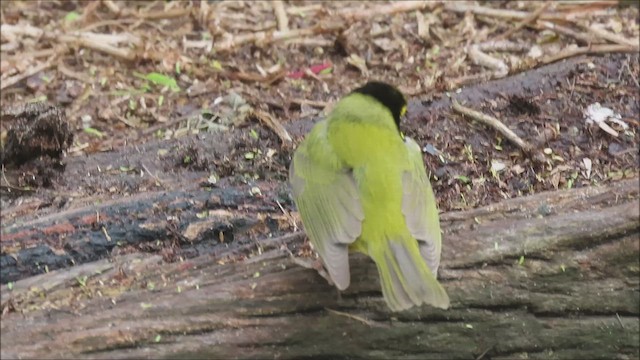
330, 209
419, 208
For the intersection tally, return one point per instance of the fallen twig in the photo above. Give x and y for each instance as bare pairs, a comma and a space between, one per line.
96, 41
96, 44
28, 73
499, 13
297, 10
479, 57
154, 176
312, 103
72, 74
281, 15
495, 124
354, 317
153, 129
112, 6
254, 77
526, 21
609, 36
274, 125
8, 185
267, 37
580, 37
595, 49
164, 14
390, 9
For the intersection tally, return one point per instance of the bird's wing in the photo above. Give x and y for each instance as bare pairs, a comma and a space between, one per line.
419, 207
330, 208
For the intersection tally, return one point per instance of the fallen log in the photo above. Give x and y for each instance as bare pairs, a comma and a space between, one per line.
552, 275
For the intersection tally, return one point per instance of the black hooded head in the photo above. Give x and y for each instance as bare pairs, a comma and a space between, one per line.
388, 96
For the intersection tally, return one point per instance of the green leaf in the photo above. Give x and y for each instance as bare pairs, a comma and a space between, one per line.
94, 132
216, 65
253, 134
163, 80
82, 280
160, 79
328, 70
521, 260
71, 16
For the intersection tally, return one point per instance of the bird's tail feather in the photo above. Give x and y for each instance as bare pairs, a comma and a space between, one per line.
405, 278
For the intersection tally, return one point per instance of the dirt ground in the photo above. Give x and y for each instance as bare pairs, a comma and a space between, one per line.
189, 95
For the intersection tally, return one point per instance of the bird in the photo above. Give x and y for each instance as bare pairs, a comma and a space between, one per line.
360, 185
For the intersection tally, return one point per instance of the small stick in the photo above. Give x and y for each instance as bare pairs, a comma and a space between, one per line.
312, 103
28, 73
106, 234
164, 14
152, 129
393, 8
274, 125
580, 37
288, 216
595, 49
311, 42
354, 317
156, 178
281, 15
499, 13
609, 36
72, 74
9, 186
481, 356
267, 37
112, 6
619, 321
633, 77
494, 123
269, 243
479, 57
297, 10
526, 21
95, 41
124, 54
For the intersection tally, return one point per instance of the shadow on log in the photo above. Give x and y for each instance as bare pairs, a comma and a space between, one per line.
553, 275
